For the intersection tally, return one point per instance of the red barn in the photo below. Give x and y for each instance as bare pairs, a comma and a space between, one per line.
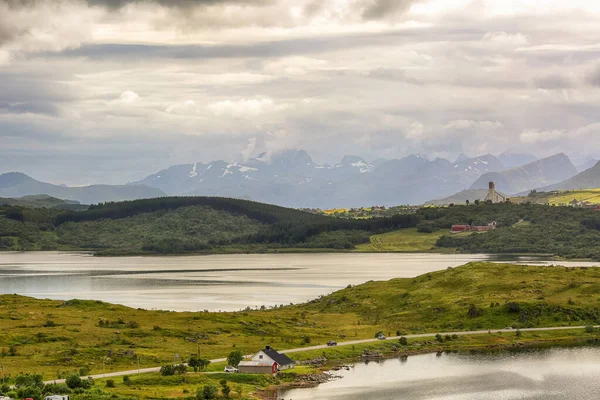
460, 228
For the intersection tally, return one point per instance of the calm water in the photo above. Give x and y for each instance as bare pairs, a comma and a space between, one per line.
220, 282
565, 374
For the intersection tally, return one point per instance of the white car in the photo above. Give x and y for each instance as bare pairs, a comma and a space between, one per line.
229, 368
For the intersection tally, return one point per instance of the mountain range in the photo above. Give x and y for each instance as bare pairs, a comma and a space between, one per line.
16, 184
291, 178
539, 173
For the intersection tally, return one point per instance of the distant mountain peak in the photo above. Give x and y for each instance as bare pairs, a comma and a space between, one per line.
461, 157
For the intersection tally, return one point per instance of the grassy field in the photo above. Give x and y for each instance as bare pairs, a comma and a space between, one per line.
565, 197
404, 240
55, 337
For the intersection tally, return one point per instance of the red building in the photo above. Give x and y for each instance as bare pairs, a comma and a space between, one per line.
460, 228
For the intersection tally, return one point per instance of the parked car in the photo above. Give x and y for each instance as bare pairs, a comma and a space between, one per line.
381, 337
229, 369
332, 343
57, 397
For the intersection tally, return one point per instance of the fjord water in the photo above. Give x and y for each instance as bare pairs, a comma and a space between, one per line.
218, 282
564, 374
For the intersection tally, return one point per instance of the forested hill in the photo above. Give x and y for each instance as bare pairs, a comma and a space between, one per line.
175, 225
185, 224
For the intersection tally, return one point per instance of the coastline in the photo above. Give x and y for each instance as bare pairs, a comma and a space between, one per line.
326, 372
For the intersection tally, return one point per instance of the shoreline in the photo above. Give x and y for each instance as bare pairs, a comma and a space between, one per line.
326, 372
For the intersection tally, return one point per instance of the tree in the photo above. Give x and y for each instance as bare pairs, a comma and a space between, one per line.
403, 341
29, 380
167, 370
210, 392
127, 380
234, 358
74, 381
225, 389
467, 202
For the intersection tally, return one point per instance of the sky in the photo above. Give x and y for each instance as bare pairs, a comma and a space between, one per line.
109, 91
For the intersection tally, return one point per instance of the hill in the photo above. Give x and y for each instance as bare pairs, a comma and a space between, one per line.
16, 184
40, 200
540, 173
587, 179
477, 296
185, 224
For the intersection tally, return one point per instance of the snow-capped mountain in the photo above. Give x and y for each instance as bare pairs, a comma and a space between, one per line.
293, 179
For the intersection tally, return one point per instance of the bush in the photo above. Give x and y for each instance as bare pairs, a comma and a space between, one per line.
167, 370
589, 329
474, 311
306, 340
425, 228
84, 371
74, 381
403, 341
513, 307
209, 392
127, 380
439, 337
110, 383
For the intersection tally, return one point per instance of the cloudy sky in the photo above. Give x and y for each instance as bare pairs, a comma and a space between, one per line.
112, 90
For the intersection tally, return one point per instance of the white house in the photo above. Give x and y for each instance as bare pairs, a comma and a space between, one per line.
270, 356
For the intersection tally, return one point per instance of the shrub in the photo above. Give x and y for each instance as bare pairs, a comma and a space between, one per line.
474, 311
209, 392
127, 380
439, 337
110, 383
589, 329
425, 228
403, 341
306, 340
167, 370
513, 307
74, 381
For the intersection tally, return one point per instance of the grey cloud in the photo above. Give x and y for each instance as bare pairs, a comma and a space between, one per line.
594, 77
314, 45
553, 81
394, 75
379, 9
178, 3
44, 108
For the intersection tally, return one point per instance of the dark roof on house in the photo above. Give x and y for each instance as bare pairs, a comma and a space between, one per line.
279, 358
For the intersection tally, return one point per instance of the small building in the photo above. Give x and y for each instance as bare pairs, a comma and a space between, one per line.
484, 228
270, 355
460, 228
257, 367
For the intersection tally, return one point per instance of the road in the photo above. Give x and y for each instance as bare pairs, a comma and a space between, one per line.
324, 346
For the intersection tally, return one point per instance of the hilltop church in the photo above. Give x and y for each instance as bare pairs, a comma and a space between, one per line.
494, 196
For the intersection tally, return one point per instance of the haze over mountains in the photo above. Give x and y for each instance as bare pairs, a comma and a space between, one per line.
16, 184
291, 178
539, 173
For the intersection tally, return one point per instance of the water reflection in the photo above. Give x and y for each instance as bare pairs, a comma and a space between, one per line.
549, 374
220, 282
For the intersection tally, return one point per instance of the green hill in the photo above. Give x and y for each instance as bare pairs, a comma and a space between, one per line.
41, 200
54, 337
473, 297
184, 224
